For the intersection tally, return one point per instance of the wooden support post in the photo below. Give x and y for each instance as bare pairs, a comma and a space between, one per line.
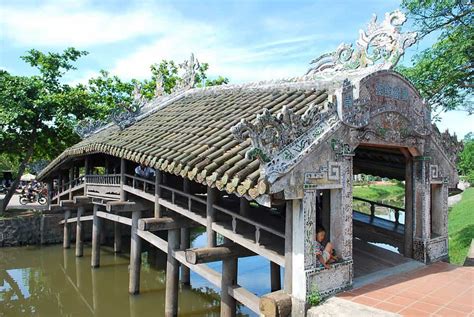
158, 181
67, 233
71, 177
229, 278
185, 239
60, 183
49, 187
210, 216
96, 221
288, 246
117, 237
172, 275
244, 206
103, 232
123, 195
135, 255
275, 276
79, 238
185, 244
86, 166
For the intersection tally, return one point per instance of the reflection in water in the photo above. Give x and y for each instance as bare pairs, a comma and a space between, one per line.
49, 281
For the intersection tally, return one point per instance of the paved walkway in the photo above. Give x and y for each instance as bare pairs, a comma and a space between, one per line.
440, 289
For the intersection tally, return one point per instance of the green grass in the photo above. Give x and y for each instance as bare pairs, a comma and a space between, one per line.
391, 194
461, 227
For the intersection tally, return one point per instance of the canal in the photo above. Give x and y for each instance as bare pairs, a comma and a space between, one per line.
49, 281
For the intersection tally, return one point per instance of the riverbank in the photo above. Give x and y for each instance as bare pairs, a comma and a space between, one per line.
461, 227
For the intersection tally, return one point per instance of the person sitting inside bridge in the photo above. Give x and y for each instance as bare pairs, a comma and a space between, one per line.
146, 172
324, 254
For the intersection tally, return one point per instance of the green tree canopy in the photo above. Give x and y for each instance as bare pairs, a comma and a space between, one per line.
38, 113
444, 72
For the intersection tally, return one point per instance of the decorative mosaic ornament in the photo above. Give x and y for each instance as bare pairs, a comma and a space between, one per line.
381, 42
188, 80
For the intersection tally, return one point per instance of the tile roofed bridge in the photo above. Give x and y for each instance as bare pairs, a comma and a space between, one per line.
261, 165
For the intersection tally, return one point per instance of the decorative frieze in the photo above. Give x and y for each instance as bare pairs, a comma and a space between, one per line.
272, 134
381, 42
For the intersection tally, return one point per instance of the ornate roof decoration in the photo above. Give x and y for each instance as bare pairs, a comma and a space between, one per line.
125, 115
452, 147
270, 134
88, 126
381, 41
159, 88
122, 116
188, 80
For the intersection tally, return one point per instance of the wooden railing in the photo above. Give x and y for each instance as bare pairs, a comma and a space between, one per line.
143, 184
111, 179
374, 204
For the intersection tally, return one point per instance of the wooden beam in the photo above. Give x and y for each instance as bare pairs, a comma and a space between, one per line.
165, 223
185, 238
82, 200
288, 246
219, 253
67, 203
244, 296
118, 237
112, 217
276, 304
157, 206
229, 278
123, 206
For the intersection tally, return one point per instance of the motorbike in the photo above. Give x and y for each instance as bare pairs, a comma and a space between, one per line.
27, 198
3, 189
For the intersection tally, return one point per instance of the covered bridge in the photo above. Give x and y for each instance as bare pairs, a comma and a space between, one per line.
262, 164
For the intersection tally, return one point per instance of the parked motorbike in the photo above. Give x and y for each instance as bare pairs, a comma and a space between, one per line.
29, 198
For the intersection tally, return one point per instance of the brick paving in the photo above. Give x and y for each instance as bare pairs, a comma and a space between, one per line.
440, 289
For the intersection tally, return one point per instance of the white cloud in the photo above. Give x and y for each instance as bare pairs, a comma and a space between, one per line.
73, 24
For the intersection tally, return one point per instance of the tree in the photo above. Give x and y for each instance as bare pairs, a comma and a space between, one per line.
444, 72
38, 113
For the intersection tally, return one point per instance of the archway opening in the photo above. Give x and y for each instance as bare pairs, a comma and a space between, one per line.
381, 204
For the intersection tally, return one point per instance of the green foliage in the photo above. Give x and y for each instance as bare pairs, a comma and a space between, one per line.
466, 161
444, 72
314, 298
461, 227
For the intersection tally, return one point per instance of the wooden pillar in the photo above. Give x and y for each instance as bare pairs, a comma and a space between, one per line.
409, 190
117, 237
123, 195
185, 239
210, 216
298, 278
229, 278
60, 182
71, 177
103, 232
244, 207
79, 238
135, 256
158, 182
96, 226
275, 279
66, 230
288, 246
86, 166
172, 275
49, 187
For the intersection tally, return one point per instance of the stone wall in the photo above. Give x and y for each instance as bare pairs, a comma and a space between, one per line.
36, 229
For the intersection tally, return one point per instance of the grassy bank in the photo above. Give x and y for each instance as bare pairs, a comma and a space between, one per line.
389, 193
461, 227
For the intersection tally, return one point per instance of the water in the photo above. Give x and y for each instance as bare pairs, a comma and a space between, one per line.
49, 281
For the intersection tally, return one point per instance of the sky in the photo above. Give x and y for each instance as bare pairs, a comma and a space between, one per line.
242, 40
